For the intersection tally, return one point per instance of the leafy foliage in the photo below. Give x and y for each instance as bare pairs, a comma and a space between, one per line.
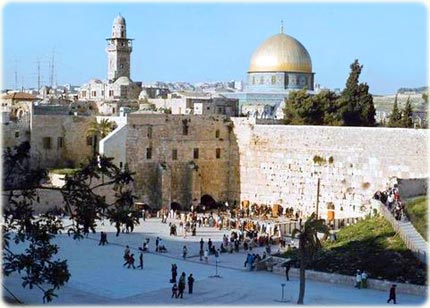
395, 115
309, 244
85, 206
417, 213
354, 107
36, 263
372, 245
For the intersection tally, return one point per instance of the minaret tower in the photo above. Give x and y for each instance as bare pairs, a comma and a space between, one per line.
119, 50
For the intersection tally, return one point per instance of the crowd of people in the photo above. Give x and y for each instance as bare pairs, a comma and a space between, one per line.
391, 199
179, 288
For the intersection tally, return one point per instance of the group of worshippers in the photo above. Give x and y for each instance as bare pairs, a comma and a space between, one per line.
391, 199
178, 288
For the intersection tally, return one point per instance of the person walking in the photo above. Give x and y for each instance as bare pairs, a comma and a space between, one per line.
206, 254
174, 273
103, 238
201, 253
210, 244
392, 296
190, 284
181, 285
287, 269
201, 243
184, 252
364, 277
126, 255
175, 291
131, 261
157, 242
140, 261
358, 279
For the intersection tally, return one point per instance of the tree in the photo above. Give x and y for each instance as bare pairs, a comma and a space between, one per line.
99, 130
356, 103
85, 206
302, 108
406, 120
309, 244
36, 263
395, 115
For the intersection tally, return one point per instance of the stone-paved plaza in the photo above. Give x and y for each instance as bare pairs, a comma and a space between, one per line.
98, 276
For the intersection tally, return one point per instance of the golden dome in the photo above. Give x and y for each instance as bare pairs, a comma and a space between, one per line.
281, 53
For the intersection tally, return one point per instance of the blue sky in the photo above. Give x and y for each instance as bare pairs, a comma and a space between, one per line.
214, 41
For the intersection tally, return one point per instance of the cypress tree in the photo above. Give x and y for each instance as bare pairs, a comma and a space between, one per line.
406, 120
395, 115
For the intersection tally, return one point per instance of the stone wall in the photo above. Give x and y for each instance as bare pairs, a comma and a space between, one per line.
381, 285
409, 188
15, 132
160, 179
72, 130
280, 163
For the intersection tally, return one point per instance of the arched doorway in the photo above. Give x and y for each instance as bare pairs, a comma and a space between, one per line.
175, 206
208, 202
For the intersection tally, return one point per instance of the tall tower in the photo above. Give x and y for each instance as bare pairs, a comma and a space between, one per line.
119, 50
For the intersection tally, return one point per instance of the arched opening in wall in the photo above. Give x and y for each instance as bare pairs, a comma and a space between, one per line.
207, 202
175, 206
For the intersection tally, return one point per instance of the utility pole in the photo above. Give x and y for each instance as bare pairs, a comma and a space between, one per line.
16, 75
318, 196
52, 68
38, 75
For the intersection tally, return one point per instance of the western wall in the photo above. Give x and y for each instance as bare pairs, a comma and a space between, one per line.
282, 164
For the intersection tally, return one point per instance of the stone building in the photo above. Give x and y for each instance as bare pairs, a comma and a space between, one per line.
177, 158
280, 64
119, 86
59, 140
197, 103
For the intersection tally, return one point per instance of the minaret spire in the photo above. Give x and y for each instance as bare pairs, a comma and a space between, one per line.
282, 26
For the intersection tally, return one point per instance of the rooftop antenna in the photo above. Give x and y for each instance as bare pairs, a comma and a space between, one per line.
16, 74
282, 26
51, 79
38, 74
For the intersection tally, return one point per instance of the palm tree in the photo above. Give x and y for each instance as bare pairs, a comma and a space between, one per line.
100, 130
309, 244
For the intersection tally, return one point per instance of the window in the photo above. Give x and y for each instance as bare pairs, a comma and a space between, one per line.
184, 128
93, 93
17, 134
60, 141
174, 154
47, 143
84, 94
253, 79
217, 133
103, 93
120, 164
90, 140
110, 92
196, 153
273, 79
148, 153
149, 132
218, 153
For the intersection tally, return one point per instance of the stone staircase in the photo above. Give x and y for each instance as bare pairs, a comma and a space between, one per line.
413, 240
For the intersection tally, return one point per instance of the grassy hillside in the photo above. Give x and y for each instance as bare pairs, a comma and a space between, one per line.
370, 245
417, 212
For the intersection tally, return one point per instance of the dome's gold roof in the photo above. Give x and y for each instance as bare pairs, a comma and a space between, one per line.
281, 53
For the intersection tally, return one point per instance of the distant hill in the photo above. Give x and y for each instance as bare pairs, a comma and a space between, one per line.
412, 90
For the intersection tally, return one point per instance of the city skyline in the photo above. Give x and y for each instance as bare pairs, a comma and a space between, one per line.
195, 42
